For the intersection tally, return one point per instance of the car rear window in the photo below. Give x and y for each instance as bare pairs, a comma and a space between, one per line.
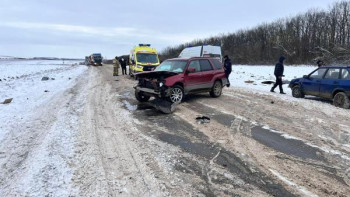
195, 64
345, 74
332, 73
217, 64
205, 65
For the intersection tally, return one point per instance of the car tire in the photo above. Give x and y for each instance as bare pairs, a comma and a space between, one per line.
176, 94
297, 92
141, 97
341, 100
216, 90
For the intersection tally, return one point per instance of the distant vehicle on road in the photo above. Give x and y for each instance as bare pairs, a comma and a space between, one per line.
95, 59
330, 82
202, 51
143, 58
175, 78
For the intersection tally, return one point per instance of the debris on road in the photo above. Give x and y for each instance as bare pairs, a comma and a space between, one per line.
268, 82
163, 105
45, 79
7, 101
249, 81
203, 119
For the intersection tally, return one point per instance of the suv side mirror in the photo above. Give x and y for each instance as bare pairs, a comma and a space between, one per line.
306, 76
191, 70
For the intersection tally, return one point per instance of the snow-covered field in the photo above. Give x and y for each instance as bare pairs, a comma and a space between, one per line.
21, 80
257, 74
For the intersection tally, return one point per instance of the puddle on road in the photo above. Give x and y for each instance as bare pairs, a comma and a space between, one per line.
287, 146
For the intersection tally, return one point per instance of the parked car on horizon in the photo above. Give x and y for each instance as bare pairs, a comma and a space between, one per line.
330, 82
175, 78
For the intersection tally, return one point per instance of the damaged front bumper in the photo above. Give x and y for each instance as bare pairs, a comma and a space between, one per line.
162, 92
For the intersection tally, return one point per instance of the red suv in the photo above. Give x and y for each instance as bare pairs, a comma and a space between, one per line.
175, 78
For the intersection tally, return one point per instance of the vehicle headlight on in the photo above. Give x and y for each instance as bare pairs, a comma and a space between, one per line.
161, 84
138, 66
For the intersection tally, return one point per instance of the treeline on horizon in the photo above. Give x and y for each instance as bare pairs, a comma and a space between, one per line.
303, 39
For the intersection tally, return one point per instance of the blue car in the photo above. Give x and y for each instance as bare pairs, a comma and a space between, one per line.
329, 82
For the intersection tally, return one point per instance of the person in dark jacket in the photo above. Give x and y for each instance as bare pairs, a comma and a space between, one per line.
228, 68
320, 63
116, 66
279, 69
122, 62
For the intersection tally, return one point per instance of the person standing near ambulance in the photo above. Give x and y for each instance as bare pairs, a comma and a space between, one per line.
116, 66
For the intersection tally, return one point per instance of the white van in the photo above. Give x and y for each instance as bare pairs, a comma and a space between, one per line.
201, 51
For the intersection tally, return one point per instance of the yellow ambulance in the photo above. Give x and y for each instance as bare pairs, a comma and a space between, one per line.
143, 58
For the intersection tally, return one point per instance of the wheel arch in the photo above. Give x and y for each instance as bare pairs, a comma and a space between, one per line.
336, 91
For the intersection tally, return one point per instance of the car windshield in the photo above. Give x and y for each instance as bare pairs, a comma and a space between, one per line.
172, 66
147, 58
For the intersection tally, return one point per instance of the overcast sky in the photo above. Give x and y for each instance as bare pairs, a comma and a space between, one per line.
76, 28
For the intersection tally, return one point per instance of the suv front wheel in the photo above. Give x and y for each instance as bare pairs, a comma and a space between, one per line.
176, 94
341, 100
216, 89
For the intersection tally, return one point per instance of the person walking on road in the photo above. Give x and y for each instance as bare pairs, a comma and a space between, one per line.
228, 68
279, 69
116, 67
122, 62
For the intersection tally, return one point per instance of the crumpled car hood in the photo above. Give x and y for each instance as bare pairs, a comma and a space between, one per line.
155, 74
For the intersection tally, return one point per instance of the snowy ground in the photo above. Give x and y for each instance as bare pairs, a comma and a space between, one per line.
82, 133
257, 74
21, 80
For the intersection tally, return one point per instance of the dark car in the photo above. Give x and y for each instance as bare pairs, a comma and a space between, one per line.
330, 82
175, 78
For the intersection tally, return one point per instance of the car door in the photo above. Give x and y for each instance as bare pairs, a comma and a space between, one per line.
207, 74
344, 82
311, 84
329, 83
193, 80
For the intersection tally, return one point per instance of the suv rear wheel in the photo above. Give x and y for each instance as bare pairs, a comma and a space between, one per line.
216, 89
297, 93
176, 94
341, 100
141, 97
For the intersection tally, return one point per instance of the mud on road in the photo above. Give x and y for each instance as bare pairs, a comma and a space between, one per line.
251, 146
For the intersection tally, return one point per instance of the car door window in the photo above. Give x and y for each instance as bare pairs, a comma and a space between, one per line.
217, 64
345, 74
318, 74
195, 64
205, 65
332, 73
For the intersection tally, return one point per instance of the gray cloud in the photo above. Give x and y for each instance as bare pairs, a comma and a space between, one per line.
76, 28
